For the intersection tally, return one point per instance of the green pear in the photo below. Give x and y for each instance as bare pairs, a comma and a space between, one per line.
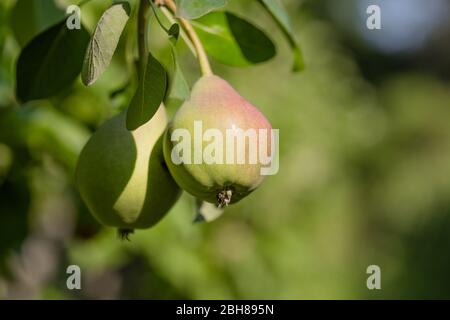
122, 177
199, 165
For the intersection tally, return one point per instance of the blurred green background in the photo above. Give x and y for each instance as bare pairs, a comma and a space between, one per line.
364, 169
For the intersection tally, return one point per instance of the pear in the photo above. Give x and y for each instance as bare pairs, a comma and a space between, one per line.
216, 108
122, 177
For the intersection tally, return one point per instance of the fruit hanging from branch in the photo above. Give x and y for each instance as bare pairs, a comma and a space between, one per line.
130, 172
215, 141
122, 177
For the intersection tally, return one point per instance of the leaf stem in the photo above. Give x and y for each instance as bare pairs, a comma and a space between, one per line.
187, 26
186, 39
161, 24
142, 22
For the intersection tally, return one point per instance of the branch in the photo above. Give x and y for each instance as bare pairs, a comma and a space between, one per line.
201, 53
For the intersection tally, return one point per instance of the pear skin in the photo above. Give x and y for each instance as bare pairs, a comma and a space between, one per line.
121, 174
217, 106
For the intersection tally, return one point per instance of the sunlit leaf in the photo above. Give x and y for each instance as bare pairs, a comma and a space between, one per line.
104, 41
50, 62
232, 40
192, 9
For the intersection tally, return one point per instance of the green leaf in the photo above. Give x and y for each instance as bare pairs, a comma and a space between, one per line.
50, 62
174, 33
158, 19
232, 40
193, 9
179, 86
149, 95
279, 14
30, 17
104, 41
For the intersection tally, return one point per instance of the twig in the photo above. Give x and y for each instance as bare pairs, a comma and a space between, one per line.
201, 53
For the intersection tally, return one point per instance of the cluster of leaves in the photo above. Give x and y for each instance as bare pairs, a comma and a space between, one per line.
51, 61
364, 179
52, 57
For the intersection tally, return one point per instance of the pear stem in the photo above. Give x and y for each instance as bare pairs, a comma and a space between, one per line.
192, 35
143, 18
